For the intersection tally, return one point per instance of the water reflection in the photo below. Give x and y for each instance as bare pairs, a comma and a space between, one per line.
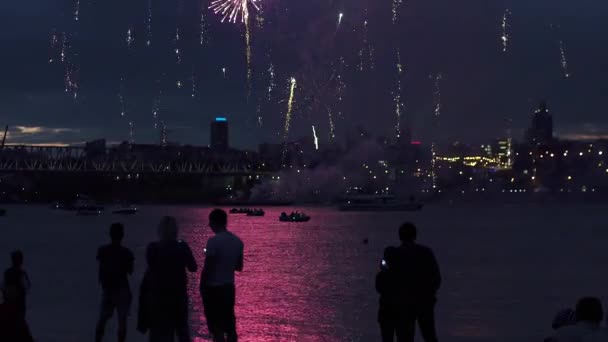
286, 292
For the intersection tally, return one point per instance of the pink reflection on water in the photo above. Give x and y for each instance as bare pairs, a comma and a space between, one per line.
281, 295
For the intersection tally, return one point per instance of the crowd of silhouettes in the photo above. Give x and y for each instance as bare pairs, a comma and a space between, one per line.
408, 282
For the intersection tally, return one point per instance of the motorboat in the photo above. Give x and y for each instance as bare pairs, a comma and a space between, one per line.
378, 203
240, 211
256, 212
294, 217
125, 211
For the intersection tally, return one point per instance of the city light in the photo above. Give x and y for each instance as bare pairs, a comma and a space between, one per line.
221, 119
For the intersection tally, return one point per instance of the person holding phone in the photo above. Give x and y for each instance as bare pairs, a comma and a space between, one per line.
223, 257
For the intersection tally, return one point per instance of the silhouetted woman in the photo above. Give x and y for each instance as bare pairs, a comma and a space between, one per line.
163, 309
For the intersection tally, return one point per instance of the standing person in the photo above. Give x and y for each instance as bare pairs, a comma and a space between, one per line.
387, 287
17, 282
164, 297
115, 267
419, 280
223, 256
13, 326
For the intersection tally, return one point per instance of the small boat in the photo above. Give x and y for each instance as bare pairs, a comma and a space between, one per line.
294, 217
2, 212
256, 212
125, 211
240, 211
89, 211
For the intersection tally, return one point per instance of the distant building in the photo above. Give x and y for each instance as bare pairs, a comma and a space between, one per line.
541, 129
219, 135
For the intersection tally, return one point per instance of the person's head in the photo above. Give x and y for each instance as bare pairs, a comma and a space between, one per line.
390, 256
167, 229
407, 232
564, 318
117, 232
589, 309
218, 220
17, 258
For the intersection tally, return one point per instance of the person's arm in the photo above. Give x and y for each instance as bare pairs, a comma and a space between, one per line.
434, 271
130, 262
210, 262
191, 264
240, 261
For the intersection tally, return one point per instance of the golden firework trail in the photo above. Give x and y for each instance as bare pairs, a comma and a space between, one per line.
292, 91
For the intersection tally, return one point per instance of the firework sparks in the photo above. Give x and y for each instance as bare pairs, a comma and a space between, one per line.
76, 10
340, 16
316, 139
121, 98
366, 53
131, 132
149, 24
193, 79
248, 55
506, 37
177, 51
64, 48
224, 72
332, 126
436, 116
232, 10
399, 106
395, 10
564, 60
204, 39
292, 90
129, 38
271, 82
437, 95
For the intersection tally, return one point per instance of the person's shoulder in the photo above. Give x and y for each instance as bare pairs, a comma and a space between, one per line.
103, 249
236, 238
126, 251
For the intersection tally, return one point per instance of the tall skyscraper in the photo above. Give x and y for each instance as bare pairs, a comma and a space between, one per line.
219, 134
541, 129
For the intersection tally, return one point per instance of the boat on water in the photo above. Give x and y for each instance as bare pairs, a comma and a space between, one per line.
294, 217
378, 203
239, 211
256, 212
125, 211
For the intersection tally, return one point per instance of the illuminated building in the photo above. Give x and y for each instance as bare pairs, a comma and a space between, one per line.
219, 134
505, 160
541, 130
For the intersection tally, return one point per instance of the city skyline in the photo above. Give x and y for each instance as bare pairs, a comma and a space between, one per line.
481, 85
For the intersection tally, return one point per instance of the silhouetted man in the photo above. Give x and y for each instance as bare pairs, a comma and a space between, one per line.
17, 282
13, 326
223, 256
589, 315
115, 266
164, 292
388, 287
419, 281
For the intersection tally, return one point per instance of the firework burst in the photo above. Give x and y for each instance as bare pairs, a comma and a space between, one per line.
232, 10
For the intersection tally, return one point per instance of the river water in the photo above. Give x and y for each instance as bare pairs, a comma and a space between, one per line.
507, 269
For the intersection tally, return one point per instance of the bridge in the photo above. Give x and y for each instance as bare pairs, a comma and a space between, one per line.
137, 159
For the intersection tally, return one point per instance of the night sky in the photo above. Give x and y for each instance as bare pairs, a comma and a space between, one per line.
481, 87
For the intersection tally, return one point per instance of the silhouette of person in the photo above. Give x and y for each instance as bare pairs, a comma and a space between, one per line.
13, 326
164, 297
115, 267
418, 280
589, 314
223, 256
17, 282
387, 287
